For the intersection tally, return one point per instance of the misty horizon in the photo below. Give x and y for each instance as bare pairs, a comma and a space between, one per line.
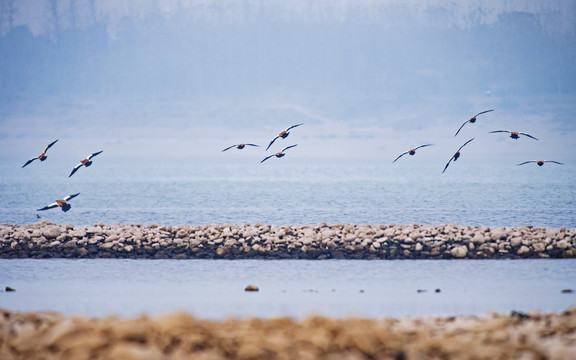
369, 79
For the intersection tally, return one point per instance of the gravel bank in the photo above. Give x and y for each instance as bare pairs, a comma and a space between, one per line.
180, 336
257, 241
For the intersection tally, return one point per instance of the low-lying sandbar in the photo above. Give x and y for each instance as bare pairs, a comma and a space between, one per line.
257, 241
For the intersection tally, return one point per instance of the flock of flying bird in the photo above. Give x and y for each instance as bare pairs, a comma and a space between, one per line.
282, 135
513, 134
62, 203
65, 206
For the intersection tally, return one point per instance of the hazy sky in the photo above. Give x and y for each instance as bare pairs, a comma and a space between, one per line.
370, 79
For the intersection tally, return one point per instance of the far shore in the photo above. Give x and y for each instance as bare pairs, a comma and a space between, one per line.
256, 241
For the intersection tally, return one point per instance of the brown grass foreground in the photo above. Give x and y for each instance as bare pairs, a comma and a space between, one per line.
43, 335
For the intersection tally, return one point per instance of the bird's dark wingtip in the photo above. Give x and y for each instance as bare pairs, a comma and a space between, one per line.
446, 167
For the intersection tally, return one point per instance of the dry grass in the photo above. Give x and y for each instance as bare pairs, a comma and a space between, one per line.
43, 335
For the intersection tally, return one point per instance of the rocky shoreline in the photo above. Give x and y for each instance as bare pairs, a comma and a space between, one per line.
257, 241
47, 335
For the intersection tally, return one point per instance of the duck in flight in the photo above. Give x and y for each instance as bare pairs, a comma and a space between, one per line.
239, 146
85, 162
540, 162
411, 152
63, 203
283, 134
42, 156
472, 120
278, 154
514, 134
456, 155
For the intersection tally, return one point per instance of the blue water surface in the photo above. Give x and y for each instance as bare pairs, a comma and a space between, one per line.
297, 288
291, 191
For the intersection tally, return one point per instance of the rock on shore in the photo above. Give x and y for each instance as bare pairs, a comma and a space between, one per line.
257, 241
180, 336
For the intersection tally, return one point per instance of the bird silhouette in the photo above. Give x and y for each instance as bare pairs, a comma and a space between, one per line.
514, 134
283, 134
278, 154
540, 162
239, 146
42, 156
85, 162
456, 155
411, 152
63, 203
472, 120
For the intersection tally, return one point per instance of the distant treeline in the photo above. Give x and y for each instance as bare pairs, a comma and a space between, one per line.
173, 56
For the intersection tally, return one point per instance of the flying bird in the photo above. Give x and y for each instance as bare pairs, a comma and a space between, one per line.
472, 120
540, 162
240, 146
283, 134
411, 152
42, 156
456, 155
514, 134
278, 154
85, 162
63, 203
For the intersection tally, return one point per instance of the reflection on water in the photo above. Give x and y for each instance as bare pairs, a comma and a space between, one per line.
215, 288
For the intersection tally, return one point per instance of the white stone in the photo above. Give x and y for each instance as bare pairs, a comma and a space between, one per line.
478, 238
516, 241
563, 244
459, 251
523, 250
51, 232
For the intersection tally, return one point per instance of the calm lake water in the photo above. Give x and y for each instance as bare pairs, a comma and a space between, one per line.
215, 288
292, 191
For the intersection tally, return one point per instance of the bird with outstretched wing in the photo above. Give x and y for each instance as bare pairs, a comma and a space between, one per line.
540, 162
278, 154
513, 134
472, 120
283, 134
42, 156
411, 152
84, 162
456, 155
63, 203
239, 146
